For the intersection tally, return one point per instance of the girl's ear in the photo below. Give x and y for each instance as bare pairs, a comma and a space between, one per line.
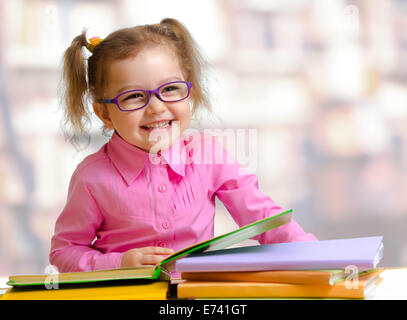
103, 114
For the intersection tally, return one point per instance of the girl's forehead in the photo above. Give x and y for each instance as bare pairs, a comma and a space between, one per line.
146, 68
150, 56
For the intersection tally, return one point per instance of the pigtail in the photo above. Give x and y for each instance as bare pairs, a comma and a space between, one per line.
194, 62
75, 90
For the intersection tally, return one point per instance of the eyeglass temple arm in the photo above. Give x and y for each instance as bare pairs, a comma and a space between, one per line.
106, 101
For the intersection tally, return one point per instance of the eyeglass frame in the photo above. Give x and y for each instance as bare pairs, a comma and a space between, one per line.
149, 94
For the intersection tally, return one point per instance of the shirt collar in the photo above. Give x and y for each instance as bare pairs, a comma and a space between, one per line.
175, 156
130, 160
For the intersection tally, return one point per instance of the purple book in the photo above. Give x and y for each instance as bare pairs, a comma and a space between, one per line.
364, 253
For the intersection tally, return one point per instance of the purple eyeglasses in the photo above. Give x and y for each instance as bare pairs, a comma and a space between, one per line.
137, 99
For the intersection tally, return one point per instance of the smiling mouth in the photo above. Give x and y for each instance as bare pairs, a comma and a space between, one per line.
159, 125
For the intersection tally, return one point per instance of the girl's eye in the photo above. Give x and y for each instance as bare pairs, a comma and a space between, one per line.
170, 88
136, 95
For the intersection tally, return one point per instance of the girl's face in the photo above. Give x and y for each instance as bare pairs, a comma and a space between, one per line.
148, 69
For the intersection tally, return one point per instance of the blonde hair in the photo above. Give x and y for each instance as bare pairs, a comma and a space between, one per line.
84, 80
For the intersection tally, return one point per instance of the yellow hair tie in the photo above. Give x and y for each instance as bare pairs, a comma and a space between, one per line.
93, 42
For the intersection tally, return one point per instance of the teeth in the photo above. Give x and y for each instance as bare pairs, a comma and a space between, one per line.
158, 125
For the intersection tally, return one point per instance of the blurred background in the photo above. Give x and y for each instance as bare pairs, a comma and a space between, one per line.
323, 83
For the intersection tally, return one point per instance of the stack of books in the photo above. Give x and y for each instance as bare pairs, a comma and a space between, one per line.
341, 268
344, 268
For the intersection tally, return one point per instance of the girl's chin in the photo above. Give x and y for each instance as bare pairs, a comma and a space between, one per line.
158, 143
160, 138
154, 140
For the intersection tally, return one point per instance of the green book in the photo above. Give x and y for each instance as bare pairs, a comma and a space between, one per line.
162, 270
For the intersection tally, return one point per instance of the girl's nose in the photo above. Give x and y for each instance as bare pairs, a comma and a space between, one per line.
155, 105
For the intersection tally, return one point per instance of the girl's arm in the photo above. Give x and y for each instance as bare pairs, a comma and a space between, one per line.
75, 230
239, 192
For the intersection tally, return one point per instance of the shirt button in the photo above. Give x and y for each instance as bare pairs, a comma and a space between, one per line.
165, 224
155, 159
162, 188
162, 244
190, 138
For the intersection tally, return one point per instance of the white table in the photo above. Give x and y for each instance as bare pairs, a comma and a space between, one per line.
393, 286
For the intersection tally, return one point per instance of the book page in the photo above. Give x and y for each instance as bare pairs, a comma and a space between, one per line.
234, 237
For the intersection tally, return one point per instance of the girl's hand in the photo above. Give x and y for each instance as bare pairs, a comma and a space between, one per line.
142, 257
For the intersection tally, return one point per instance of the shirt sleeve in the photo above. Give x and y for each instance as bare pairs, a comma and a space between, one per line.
75, 230
239, 192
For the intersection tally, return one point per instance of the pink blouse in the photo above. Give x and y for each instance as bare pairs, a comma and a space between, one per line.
122, 197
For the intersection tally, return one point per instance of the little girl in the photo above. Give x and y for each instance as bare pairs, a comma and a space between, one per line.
145, 193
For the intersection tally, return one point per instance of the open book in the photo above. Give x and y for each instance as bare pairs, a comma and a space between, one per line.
162, 270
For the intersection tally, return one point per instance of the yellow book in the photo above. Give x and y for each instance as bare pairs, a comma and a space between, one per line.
156, 290
354, 289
